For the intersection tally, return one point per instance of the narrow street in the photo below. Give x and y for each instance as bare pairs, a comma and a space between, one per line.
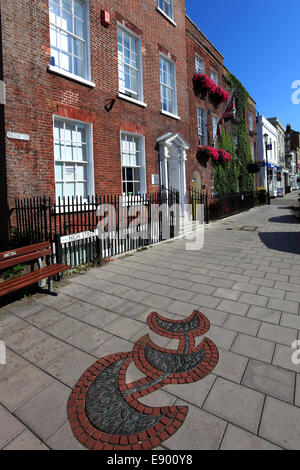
246, 281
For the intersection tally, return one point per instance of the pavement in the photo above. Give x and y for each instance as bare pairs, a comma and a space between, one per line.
246, 280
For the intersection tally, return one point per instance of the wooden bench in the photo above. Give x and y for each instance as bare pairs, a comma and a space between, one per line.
30, 254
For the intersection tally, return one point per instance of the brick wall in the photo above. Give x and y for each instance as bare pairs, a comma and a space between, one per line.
198, 44
34, 95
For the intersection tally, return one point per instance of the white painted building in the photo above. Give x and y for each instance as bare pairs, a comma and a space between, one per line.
264, 126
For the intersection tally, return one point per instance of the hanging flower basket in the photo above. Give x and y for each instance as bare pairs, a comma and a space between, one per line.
207, 86
216, 155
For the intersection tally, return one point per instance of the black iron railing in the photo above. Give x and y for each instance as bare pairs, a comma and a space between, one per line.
99, 227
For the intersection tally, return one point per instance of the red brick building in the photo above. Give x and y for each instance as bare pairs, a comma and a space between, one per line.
100, 98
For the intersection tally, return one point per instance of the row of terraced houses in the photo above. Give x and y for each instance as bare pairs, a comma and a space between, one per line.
100, 98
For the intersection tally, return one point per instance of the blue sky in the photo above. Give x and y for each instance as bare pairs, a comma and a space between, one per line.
260, 42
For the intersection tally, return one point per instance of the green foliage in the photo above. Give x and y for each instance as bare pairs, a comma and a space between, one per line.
240, 179
226, 174
13, 272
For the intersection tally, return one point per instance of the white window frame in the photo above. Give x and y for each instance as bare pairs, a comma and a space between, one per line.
86, 78
214, 72
161, 7
174, 112
139, 99
251, 122
142, 166
199, 59
90, 154
215, 119
202, 138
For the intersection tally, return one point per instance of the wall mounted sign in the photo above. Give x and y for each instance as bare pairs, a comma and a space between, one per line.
75, 237
17, 136
104, 410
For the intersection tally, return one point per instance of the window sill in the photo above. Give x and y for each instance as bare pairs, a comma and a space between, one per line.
131, 100
166, 16
71, 76
174, 116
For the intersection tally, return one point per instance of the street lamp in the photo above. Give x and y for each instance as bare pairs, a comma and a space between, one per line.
267, 161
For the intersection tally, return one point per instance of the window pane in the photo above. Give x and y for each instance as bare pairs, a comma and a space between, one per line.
59, 172
67, 21
70, 189
66, 62
81, 173
67, 5
59, 190
55, 14
78, 24
129, 188
81, 190
129, 174
69, 173
59, 151
79, 9
70, 132
78, 67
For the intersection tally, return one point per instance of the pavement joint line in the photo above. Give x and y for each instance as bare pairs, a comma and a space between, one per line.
223, 435
65, 340
26, 426
261, 415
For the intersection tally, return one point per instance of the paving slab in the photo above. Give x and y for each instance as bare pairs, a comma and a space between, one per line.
242, 325
47, 411
231, 366
283, 358
26, 441
284, 306
236, 404
291, 321
280, 424
65, 328
277, 334
10, 324
233, 307
195, 393
10, 427
253, 299
245, 287
14, 363
221, 337
237, 439
264, 314
88, 338
200, 431
64, 439
253, 347
270, 380
19, 387
68, 367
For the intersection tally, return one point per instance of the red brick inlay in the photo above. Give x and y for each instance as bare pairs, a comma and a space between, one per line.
171, 418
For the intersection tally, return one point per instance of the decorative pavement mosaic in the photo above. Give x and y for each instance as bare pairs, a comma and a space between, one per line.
104, 411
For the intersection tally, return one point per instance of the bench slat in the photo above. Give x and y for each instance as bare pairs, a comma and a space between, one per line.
32, 278
24, 250
24, 258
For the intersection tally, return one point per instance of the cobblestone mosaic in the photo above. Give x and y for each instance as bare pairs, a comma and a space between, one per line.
104, 410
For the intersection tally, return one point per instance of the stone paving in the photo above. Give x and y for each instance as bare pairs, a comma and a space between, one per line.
246, 282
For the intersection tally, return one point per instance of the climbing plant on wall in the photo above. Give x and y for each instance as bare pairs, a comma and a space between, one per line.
226, 176
236, 172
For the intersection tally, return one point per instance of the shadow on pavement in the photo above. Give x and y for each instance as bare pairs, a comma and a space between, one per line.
284, 219
288, 242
